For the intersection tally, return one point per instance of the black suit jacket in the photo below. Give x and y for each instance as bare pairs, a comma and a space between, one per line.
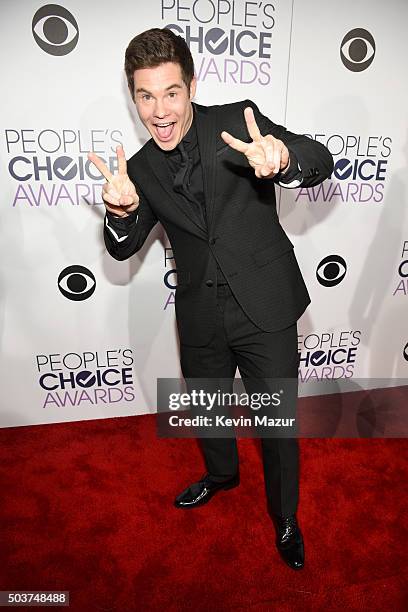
244, 234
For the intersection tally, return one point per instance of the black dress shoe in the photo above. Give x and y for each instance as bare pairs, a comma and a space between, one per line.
202, 491
289, 540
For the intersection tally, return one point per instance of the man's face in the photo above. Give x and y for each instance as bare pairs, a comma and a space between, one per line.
162, 97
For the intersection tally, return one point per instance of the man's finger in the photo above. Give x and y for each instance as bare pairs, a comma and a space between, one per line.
110, 199
253, 129
103, 169
267, 167
112, 191
272, 146
120, 154
235, 143
277, 159
126, 200
268, 148
117, 210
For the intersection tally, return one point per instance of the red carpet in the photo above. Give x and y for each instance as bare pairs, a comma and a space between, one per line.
87, 508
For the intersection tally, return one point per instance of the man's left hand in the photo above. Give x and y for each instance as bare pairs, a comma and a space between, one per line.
266, 154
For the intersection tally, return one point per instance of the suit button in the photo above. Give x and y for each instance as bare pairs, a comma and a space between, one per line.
212, 240
209, 283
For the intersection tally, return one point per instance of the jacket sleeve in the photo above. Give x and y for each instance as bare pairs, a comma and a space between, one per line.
124, 236
310, 161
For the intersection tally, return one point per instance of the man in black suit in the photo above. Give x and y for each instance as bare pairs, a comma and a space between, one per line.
208, 174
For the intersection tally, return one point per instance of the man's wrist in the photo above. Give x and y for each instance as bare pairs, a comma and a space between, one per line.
291, 176
125, 221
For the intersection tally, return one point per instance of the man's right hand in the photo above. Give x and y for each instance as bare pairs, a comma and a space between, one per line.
119, 193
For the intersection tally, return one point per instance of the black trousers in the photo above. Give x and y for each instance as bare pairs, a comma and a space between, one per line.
258, 355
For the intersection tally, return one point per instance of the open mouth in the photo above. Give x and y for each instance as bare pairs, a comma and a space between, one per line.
164, 130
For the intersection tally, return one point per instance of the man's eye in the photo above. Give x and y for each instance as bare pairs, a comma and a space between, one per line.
144, 96
172, 93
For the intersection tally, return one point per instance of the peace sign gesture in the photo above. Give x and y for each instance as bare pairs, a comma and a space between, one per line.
266, 154
119, 192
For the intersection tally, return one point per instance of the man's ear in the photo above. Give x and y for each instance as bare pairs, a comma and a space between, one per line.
193, 87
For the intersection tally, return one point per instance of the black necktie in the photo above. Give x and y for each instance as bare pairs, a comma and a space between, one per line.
182, 178
181, 183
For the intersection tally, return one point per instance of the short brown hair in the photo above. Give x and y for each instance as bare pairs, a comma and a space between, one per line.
154, 47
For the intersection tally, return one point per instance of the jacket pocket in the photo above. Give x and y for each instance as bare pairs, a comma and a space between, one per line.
272, 251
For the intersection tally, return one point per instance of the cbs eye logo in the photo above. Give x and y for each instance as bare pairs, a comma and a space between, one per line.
405, 352
76, 283
357, 50
331, 270
55, 30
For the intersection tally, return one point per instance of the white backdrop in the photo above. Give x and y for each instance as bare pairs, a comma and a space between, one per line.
334, 73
